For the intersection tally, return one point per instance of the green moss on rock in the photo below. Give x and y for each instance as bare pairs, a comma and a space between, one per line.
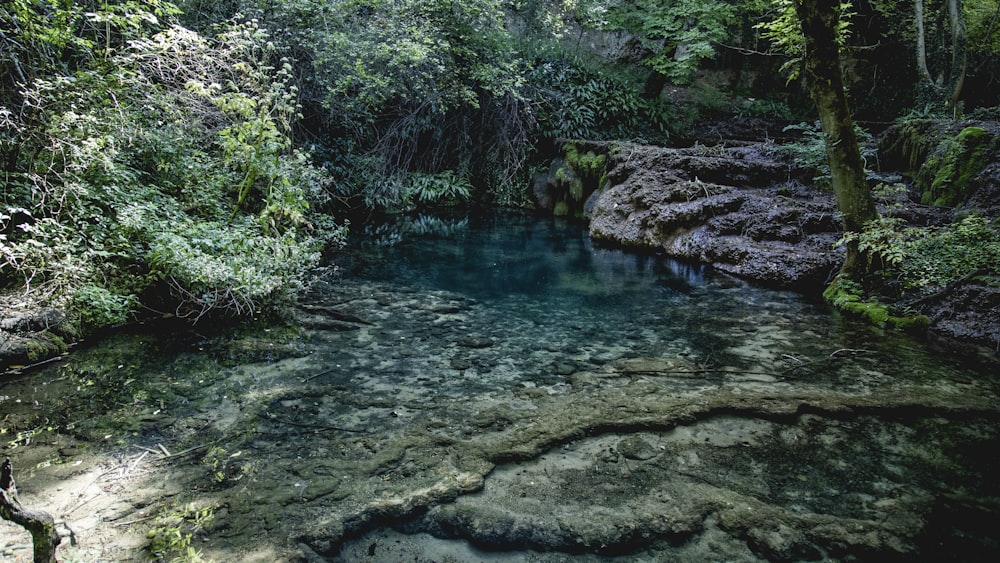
44, 345
580, 175
946, 176
846, 297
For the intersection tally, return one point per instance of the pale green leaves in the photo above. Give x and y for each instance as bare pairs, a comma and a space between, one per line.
782, 28
679, 34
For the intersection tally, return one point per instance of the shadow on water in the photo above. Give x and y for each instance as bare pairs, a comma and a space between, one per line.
501, 389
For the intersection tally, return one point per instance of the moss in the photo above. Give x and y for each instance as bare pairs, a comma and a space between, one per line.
585, 173
846, 297
946, 176
561, 209
43, 346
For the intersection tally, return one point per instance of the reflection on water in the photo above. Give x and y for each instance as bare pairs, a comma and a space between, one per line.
509, 258
549, 274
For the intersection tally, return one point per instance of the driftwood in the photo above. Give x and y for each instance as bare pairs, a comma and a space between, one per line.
44, 537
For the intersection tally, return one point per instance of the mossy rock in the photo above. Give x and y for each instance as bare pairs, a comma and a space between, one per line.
946, 177
45, 345
905, 147
845, 297
583, 172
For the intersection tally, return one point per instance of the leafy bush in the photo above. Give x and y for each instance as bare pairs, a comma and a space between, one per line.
98, 307
444, 188
810, 150
678, 35
579, 102
937, 257
229, 268
164, 160
931, 257
414, 86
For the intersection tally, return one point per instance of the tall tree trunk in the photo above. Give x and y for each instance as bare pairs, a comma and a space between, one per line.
958, 68
819, 19
922, 68
959, 53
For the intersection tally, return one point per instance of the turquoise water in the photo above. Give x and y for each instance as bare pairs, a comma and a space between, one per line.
455, 382
547, 278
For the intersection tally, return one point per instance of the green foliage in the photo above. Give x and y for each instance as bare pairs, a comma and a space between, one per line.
680, 35
229, 268
578, 100
171, 535
415, 86
930, 257
810, 150
163, 162
946, 175
782, 29
582, 174
98, 307
880, 240
443, 188
937, 257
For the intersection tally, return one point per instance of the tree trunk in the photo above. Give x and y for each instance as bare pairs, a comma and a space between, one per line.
922, 68
819, 19
959, 53
951, 91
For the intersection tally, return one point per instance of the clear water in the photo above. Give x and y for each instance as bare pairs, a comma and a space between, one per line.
545, 281
483, 373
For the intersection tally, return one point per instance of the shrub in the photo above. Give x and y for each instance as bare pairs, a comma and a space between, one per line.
162, 161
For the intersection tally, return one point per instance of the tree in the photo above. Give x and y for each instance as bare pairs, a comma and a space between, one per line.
820, 22
951, 79
144, 164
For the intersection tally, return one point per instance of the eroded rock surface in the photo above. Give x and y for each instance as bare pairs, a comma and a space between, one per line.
616, 415
744, 209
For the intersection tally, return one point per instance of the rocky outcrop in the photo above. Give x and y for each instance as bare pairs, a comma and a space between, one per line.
745, 209
29, 334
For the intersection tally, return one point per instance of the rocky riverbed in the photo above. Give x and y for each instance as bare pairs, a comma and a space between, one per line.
630, 408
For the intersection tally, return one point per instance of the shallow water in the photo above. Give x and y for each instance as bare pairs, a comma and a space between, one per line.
501, 389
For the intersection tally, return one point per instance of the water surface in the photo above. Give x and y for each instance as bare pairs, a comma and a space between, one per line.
501, 389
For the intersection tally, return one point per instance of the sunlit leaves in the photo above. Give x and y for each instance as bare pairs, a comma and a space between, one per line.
163, 160
782, 28
679, 35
